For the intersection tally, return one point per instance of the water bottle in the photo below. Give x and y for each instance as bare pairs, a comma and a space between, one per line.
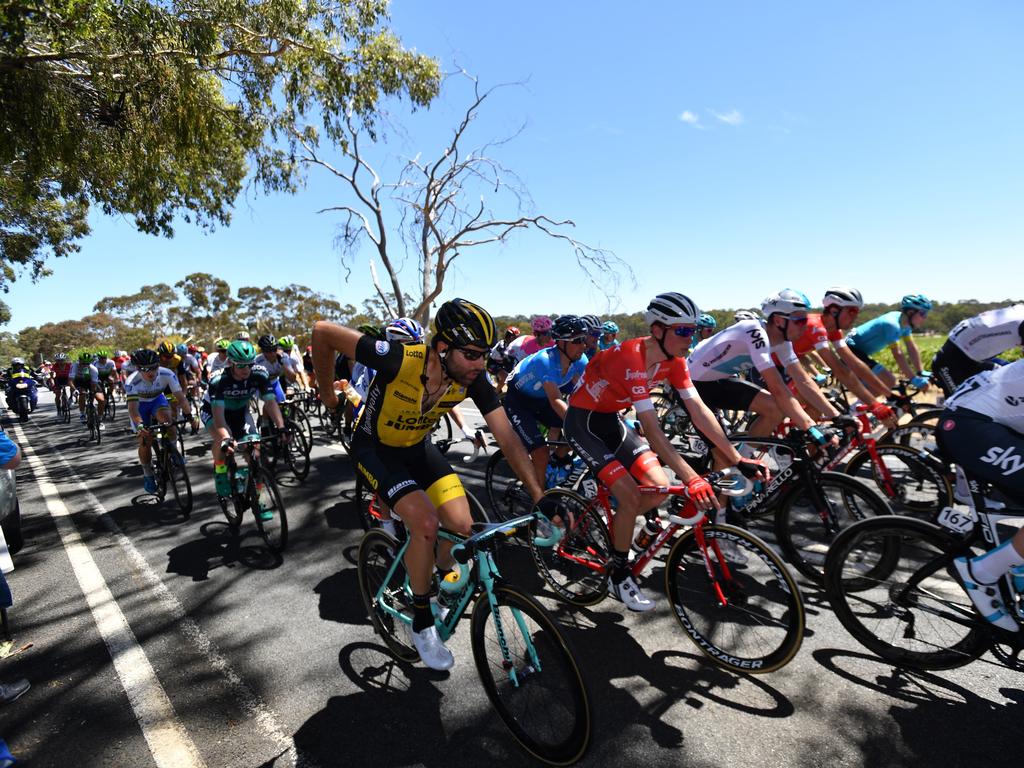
647, 534
350, 393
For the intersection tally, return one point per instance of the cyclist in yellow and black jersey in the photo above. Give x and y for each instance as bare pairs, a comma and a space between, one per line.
415, 385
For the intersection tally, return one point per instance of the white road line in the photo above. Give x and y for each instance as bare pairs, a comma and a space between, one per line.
168, 740
249, 700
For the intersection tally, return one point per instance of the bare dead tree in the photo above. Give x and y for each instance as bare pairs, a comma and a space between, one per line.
446, 207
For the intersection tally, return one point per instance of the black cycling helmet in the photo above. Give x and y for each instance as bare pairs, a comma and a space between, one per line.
267, 343
568, 327
145, 358
461, 323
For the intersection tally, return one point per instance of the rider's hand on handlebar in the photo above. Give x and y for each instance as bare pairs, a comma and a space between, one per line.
753, 469
702, 493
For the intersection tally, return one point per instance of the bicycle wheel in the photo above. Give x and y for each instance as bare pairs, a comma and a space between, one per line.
745, 617
305, 426
377, 553
441, 434
477, 510
296, 450
231, 507
181, 486
804, 531
890, 583
110, 411
918, 433
505, 492
274, 530
66, 410
575, 568
367, 504
913, 486
539, 692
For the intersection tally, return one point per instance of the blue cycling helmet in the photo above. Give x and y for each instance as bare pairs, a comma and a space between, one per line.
181, 349
568, 327
706, 321
609, 326
404, 329
917, 301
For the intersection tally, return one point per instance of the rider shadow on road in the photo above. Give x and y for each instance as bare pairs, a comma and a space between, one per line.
931, 720
220, 547
396, 718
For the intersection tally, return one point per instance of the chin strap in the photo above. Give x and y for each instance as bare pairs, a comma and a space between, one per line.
661, 343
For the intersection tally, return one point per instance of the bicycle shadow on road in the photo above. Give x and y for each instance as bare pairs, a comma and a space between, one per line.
220, 547
931, 720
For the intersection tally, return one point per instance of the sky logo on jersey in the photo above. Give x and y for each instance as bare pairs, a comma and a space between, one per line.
1006, 459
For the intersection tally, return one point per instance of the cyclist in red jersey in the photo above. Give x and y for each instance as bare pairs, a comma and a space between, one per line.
621, 377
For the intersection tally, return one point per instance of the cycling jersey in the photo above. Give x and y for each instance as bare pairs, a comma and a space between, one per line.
783, 354
120, 361
732, 351
276, 367
84, 374
618, 378
524, 346
816, 336
529, 375
997, 394
603, 345
499, 358
217, 363
61, 370
186, 365
393, 409
875, 335
105, 370
990, 333
138, 389
231, 394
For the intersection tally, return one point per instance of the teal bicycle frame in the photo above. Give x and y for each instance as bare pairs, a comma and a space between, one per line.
477, 547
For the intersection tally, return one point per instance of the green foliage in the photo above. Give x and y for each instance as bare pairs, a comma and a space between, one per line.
155, 110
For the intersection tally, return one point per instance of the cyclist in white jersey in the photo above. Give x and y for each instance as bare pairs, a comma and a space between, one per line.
716, 364
982, 430
219, 361
974, 342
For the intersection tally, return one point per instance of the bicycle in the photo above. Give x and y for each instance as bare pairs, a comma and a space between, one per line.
63, 404
92, 421
110, 411
170, 467
293, 408
508, 497
745, 617
524, 662
890, 581
254, 487
290, 447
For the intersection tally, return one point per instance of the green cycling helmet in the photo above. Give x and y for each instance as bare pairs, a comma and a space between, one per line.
241, 352
286, 343
85, 358
222, 344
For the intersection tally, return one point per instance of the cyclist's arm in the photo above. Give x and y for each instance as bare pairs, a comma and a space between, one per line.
847, 377
704, 420
810, 391
177, 391
901, 360
660, 444
510, 444
558, 405
860, 370
785, 400
133, 413
459, 419
915, 354
217, 409
271, 409
328, 340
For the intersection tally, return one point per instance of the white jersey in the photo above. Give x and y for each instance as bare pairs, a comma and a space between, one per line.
738, 348
216, 363
296, 358
137, 388
784, 353
990, 333
105, 370
79, 371
998, 394
274, 370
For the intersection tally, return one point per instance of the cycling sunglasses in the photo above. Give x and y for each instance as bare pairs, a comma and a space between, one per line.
149, 368
577, 340
472, 354
242, 365
684, 331
799, 320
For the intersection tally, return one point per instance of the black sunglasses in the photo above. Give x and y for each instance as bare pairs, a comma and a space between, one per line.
471, 354
149, 368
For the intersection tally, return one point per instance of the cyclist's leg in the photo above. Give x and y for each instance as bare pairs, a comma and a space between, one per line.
523, 417
101, 401
445, 491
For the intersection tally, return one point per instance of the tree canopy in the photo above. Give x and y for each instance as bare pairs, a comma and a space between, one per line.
156, 109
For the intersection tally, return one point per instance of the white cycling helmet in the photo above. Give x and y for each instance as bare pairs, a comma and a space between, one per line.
745, 314
403, 329
671, 309
841, 296
786, 303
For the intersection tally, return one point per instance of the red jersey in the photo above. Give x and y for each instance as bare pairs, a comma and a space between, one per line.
61, 370
815, 336
617, 378
119, 361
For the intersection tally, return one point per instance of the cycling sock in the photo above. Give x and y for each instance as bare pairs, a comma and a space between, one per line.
219, 468
147, 469
989, 567
422, 618
620, 566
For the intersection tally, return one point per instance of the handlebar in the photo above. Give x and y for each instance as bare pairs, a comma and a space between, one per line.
728, 482
464, 551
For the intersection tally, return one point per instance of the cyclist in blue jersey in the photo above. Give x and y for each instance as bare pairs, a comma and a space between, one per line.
872, 337
706, 326
538, 383
609, 330
593, 326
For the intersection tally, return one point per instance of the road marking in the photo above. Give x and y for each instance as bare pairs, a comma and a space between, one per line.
168, 740
248, 699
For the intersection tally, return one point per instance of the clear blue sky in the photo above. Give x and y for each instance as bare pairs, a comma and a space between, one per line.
722, 149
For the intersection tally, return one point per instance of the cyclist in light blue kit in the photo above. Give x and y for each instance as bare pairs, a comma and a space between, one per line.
886, 330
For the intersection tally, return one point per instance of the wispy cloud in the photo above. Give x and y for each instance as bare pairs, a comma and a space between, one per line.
732, 117
689, 117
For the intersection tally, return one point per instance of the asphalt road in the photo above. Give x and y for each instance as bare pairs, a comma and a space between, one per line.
226, 657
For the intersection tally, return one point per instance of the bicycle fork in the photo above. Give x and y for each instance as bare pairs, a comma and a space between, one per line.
487, 573
702, 543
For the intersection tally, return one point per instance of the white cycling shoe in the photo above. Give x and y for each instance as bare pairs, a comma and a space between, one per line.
627, 592
985, 597
432, 650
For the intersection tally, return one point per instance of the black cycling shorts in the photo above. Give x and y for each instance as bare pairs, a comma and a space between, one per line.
984, 448
609, 448
951, 367
526, 414
727, 394
870, 362
239, 420
396, 472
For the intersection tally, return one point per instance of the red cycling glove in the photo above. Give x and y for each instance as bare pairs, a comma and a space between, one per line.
700, 490
881, 411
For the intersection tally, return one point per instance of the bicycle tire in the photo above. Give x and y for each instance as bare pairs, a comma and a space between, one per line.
230, 507
362, 497
804, 537
506, 495
917, 487
275, 530
179, 481
889, 615
441, 434
296, 450
377, 552
576, 567
547, 710
918, 433
761, 626
110, 410
299, 417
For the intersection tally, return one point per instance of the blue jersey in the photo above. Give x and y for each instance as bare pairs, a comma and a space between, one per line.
531, 372
875, 335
